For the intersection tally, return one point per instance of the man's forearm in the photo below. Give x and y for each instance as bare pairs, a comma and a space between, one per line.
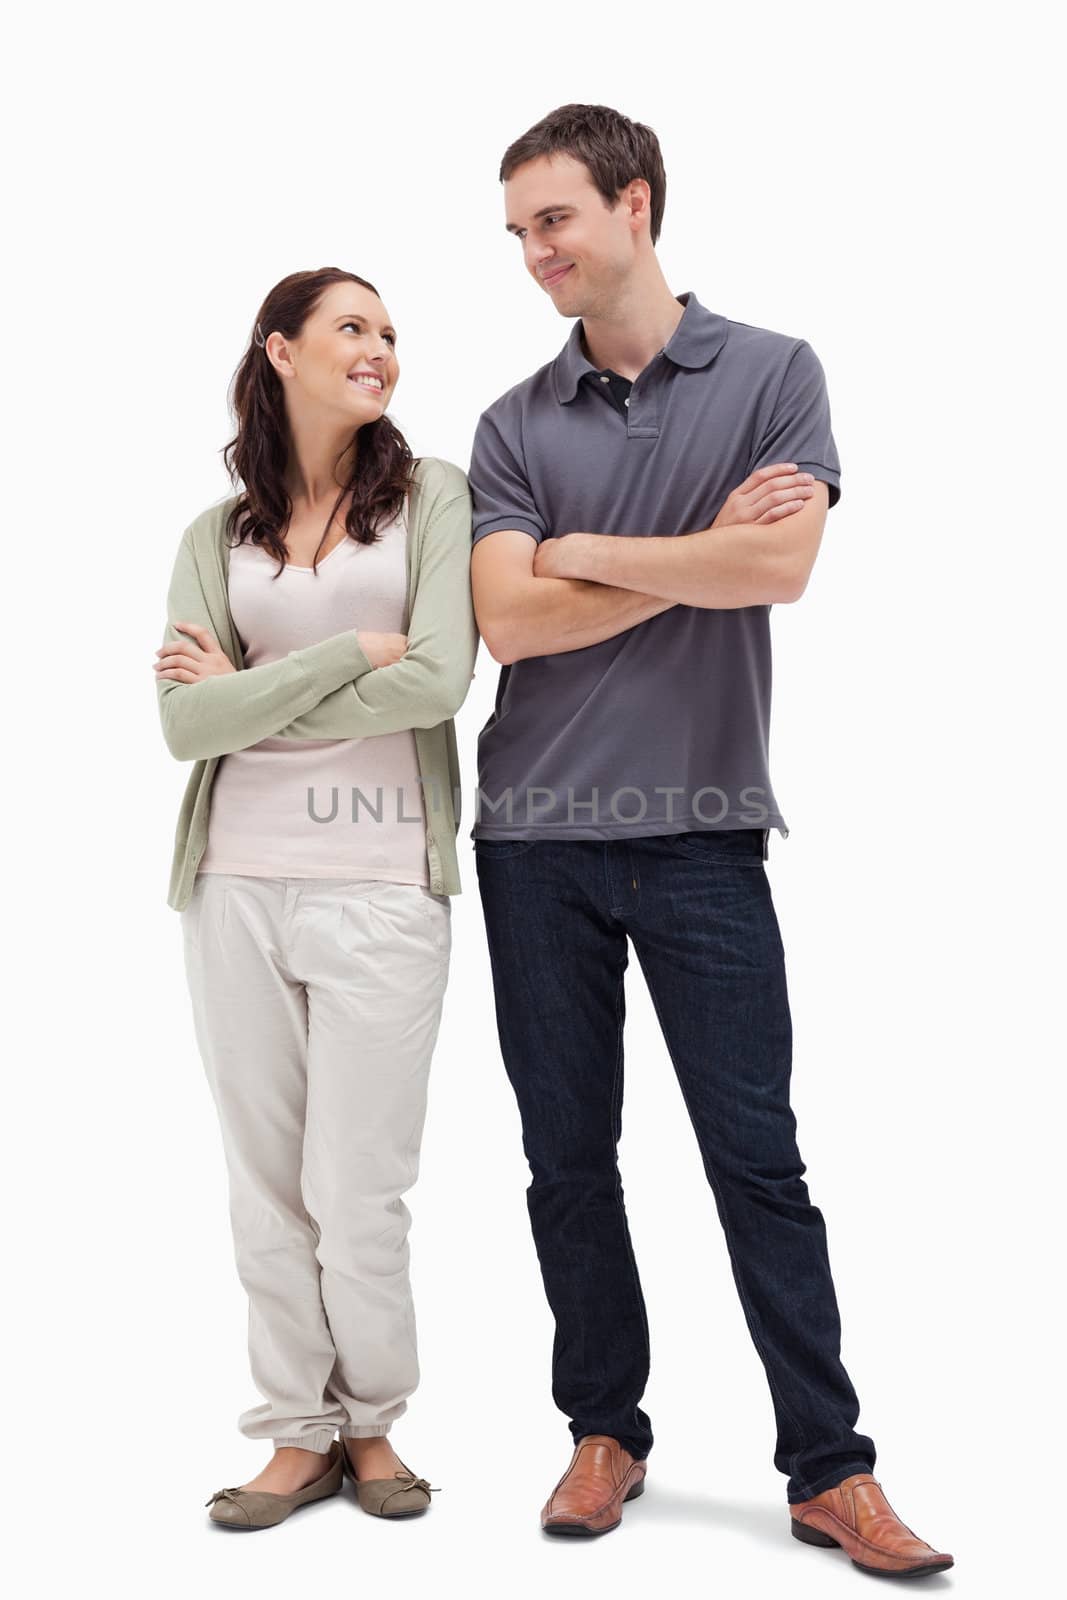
558, 614
734, 565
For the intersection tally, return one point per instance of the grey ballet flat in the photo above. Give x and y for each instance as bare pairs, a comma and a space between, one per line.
402, 1495
255, 1508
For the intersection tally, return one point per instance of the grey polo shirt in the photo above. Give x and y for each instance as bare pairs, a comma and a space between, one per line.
664, 727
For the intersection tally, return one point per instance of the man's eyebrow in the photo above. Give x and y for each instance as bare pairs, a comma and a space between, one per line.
513, 227
354, 316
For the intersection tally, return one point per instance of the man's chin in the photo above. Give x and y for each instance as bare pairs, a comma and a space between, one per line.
571, 305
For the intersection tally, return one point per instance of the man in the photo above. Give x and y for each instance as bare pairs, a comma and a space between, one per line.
640, 503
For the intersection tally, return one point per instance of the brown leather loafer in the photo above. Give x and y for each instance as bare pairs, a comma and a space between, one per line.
856, 1515
256, 1508
589, 1497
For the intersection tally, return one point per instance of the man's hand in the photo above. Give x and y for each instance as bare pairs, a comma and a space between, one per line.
770, 493
191, 663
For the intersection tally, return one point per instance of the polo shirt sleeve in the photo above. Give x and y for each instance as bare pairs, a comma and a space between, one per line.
500, 490
799, 426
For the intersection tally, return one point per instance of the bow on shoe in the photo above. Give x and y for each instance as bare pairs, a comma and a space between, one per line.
406, 1481
224, 1494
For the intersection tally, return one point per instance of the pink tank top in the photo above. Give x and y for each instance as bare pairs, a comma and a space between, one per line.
319, 808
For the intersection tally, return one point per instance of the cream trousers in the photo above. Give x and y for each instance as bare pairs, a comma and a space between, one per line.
316, 1004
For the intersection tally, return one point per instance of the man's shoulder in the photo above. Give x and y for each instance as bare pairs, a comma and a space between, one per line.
511, 406
754, 343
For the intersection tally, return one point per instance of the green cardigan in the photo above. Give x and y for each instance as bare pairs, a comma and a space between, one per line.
330, 690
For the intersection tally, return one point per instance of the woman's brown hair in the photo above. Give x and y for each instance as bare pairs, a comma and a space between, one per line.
258, 454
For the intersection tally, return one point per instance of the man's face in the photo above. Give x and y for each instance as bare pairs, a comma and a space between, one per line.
575, 248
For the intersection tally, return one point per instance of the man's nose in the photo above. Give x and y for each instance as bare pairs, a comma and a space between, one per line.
538, 253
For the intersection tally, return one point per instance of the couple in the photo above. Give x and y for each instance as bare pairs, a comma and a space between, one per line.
631, 513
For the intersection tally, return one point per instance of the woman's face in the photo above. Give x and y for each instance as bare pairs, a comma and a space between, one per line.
346, 344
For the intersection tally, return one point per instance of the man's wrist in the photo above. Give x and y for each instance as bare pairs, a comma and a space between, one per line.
577, 556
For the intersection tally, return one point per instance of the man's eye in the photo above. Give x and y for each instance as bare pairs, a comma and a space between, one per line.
520, 233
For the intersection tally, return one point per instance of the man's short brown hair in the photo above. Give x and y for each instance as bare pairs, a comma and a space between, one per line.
614, 149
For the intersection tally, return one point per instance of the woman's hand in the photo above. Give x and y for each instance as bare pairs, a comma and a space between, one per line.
771, 493
190, 663
382, 649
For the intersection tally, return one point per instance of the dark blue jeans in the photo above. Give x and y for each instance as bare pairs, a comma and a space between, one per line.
698, 909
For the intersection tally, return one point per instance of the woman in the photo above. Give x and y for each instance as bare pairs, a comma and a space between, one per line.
320, 639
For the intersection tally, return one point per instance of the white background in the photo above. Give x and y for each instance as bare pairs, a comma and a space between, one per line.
880, 183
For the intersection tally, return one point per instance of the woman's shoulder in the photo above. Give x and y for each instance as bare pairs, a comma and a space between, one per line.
439, 479
209, 525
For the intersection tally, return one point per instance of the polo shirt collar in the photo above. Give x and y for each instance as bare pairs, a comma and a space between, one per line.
697, 339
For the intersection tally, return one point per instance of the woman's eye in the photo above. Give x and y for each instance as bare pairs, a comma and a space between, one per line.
389, 336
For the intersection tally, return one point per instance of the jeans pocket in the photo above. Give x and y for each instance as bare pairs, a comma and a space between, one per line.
500, 849
733, 846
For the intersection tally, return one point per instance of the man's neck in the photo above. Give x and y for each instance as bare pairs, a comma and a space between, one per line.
635, 329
